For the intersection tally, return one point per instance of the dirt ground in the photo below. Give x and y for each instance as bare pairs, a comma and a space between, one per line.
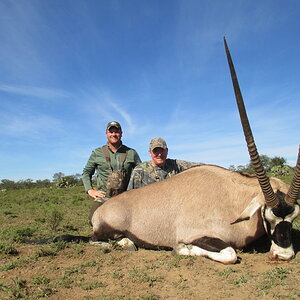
84, 271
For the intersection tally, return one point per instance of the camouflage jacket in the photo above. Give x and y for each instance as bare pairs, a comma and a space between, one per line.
146, 173
98, 163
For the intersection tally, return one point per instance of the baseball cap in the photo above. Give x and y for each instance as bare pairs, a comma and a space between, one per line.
157, 142
113, 124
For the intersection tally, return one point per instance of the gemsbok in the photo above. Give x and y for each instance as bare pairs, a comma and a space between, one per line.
207, 210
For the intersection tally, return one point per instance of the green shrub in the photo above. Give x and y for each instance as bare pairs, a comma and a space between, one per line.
8, 249
280, 171
55, 219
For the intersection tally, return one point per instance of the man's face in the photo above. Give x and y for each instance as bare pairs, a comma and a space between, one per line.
159, 156
113, 135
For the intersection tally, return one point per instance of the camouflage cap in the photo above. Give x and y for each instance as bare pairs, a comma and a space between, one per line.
157, 142
114, 124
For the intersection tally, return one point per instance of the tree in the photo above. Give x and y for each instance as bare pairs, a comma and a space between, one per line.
7, 184
232, 168
77, 176
277, 161
58, 176
43, 183
265, 161
26, 184
275, 165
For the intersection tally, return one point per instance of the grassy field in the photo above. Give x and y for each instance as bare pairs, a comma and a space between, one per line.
44, 212
83, 271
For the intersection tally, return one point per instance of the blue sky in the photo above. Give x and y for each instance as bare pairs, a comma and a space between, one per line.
157, 67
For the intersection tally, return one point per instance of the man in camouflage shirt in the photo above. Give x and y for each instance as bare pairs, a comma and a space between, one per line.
159, 168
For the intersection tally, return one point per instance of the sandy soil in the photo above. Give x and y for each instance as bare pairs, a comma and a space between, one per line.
83, 271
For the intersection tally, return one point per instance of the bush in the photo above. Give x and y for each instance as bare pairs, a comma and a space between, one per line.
54, 219
280, 171
67, 181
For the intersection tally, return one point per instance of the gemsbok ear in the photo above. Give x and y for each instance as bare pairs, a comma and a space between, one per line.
250, 210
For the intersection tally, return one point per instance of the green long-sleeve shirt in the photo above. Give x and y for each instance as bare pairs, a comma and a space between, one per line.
97, 162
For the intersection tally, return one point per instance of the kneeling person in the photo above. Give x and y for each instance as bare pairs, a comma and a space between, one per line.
113, 164
159, 168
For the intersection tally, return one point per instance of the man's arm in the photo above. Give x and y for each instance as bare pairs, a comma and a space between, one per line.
136, 177
184, 165
87, 174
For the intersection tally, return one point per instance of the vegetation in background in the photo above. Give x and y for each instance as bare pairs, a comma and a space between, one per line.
274, 166
59, 180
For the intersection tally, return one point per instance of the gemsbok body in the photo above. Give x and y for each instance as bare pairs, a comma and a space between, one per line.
207, 210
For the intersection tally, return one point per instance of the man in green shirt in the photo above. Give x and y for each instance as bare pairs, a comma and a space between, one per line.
159, 168
114, 157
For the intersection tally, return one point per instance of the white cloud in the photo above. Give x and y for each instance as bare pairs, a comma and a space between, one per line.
25, 125
124, 114
33, 91
105, 108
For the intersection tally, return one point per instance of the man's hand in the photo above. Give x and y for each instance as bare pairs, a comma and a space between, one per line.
96, 194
